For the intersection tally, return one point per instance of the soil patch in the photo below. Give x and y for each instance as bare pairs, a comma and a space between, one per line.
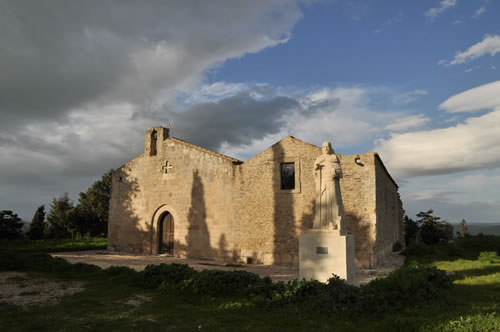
19, 289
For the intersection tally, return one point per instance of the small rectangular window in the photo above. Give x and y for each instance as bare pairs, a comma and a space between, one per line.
288, 176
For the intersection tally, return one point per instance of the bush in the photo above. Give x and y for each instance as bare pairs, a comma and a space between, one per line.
488, 256
405, 286
220, 283
154, 275
124, 275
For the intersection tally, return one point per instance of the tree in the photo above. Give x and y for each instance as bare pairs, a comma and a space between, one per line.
432, 229
91, 214
10, 225
60, 217
464, 230
411, 230
37, 226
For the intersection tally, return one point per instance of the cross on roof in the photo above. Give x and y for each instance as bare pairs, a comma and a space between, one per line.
165, 168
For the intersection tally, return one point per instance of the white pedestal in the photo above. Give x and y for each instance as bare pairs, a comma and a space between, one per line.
324, 252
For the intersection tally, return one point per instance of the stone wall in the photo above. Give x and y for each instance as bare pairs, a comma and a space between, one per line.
195, 187
233, 211
268, 220
358, 195
389, 212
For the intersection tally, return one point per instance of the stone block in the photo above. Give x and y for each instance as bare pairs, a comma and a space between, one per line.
323, 253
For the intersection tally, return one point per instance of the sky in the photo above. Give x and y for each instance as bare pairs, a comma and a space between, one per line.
416, 81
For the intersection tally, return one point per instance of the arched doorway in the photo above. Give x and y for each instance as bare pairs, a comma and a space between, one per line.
166, 234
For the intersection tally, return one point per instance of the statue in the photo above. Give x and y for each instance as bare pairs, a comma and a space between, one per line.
329, 210
327, 248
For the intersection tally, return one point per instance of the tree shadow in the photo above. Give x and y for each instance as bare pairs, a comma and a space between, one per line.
285, 239
364, 244
126, 233
462, 274
198, 237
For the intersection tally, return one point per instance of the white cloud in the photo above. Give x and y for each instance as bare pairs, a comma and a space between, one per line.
480, 11
474, 144
346, 116
472, 195
470, 145
408, 97
429, 194
470, 70
405, 123
486, 96
442, 6
393, 20
489, 45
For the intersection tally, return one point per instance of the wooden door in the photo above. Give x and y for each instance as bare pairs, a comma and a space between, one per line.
167, 234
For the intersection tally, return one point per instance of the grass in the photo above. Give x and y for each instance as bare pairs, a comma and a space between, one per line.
52, 245
472, 305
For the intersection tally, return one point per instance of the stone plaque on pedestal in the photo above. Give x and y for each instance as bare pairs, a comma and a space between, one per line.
323, 253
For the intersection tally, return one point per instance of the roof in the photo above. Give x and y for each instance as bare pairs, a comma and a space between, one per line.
385, 169
197, 147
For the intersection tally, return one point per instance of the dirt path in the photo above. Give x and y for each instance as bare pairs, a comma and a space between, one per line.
106, 259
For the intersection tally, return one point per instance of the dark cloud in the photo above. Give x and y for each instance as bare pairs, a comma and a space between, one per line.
235, 120
59, 55
74, 73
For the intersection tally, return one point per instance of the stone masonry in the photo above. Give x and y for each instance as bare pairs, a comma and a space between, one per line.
229, 210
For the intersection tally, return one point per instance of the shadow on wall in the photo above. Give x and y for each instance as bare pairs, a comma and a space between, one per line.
285, 240
197, 241
363, 240
125, 230
307, 220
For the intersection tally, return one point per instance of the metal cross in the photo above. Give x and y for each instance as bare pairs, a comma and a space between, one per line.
166, 167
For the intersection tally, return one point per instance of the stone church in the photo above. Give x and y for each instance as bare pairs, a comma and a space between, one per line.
188, 201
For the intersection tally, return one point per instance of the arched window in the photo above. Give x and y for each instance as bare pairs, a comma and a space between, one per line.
154, 138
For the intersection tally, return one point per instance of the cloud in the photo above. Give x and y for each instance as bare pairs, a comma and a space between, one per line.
235, 120
480, 11
58, 56
393, 20
430, 195
408, 97
347, 116
489, 45
405, 123
472, 195
474, 144
469, 70
442, 6
484, 97
471, 145
81, 81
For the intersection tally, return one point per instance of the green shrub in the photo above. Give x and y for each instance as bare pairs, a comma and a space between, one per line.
488, 256
154, 275
12, 262
124, 275
220, 283
405, 286
418, 249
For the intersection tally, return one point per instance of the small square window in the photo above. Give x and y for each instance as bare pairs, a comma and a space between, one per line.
287, 176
